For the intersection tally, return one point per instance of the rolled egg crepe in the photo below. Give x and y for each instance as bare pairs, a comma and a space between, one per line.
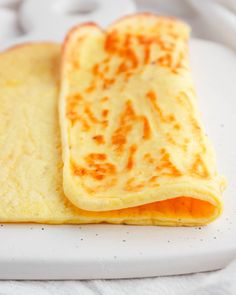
132, 137
30, 150
31, 153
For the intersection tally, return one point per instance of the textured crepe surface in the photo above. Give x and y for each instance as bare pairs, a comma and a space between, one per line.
131, 129
30, 151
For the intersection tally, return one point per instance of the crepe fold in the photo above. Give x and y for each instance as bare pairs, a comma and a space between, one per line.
133, 148
131, 129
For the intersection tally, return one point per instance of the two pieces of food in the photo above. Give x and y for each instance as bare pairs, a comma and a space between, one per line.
134, 150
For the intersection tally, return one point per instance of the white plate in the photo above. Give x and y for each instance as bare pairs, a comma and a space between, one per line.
111, 251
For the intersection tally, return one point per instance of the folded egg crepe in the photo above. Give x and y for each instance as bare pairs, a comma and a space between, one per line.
134, 150
131, 132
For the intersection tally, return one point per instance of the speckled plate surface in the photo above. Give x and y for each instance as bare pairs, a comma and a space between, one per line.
110, 251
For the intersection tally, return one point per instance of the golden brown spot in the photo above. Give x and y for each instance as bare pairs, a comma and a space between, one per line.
121, 48
148, 41
198, 132
76, 170
147, 157
146, 128
153, 178
167, 47
100, 72
97, 167
91, 88
195, 125
92, 118
166, 167
96, 69
165, 60
105, 123
171, 118
147, 55
173, 35
95, 156
75, 64
131, 56
104, 99
91, 115
133, 187
181, 58
177, 126
144, 40
122, 68
103, 170
162, 150
73, 102
171, 140
153, 100
106, 68
127, 76
151, 95
199, 168
185, 145
108, 82
184, 100
186, 140
132, 151
106, 60
98, 176
127, 41
111, 41
85, 125
127, 118
99, 139
105, 113
72, 116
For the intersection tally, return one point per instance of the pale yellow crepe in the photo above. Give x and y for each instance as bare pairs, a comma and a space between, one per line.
131, 129
30, 152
